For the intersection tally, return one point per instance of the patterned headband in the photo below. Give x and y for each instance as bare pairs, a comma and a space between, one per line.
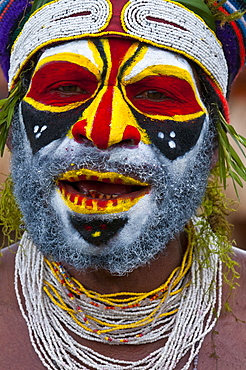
183, 26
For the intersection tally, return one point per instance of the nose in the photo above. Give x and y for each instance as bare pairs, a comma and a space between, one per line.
108, 121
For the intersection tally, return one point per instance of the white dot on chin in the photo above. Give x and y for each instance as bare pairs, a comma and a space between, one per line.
172, 134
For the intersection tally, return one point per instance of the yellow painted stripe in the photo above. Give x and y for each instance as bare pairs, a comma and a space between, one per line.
123, 205
113, 176
122, 117
78, 59
52, 108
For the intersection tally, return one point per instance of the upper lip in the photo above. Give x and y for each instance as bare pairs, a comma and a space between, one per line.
106, 177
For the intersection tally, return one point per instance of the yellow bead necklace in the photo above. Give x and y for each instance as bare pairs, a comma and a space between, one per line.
101, 314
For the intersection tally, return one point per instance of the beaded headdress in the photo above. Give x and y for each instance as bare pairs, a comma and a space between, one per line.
210, 33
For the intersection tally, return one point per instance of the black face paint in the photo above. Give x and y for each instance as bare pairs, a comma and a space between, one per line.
97, 232
172, 138
43, 127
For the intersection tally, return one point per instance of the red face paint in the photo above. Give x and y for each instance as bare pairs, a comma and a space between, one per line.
101, 124
163, 95
61, 83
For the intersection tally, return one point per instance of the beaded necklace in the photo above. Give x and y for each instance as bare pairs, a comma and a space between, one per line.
181, 310
102, 314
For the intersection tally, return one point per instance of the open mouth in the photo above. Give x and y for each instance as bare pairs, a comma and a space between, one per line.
87, 191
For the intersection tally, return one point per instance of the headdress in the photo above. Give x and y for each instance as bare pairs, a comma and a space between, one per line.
210, 33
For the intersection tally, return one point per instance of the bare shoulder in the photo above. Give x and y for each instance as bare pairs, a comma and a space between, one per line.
239, 256
7, 261
231, 327
16, 349
7, 293
236, 297
224, 347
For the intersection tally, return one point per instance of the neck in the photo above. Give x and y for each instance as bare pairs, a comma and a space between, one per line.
142, 279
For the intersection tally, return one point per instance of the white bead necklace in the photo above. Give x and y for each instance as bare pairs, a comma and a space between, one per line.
47, 323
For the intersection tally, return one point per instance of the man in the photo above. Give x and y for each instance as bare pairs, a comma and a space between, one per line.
121, 109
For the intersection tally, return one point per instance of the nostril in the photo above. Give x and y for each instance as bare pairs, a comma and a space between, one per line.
79, 138
79, 132
129, 143
131, 136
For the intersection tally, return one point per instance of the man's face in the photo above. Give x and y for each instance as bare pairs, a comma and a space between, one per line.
111, 152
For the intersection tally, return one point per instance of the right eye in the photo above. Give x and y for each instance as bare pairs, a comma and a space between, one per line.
152, 95
71, 89
62, 83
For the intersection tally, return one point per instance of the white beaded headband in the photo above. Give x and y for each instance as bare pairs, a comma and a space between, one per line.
162, 23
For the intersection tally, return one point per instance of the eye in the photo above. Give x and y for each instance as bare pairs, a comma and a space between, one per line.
62, 83
71, 90
163, 96
153, 95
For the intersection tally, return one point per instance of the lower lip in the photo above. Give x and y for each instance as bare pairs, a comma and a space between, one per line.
80, 203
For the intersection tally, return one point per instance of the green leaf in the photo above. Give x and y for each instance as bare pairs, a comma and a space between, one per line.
236, 178
229, 161
201, 9
38, 4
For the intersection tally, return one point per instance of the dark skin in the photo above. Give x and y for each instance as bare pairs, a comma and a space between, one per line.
226, 342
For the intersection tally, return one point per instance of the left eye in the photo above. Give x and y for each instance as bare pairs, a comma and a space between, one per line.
153, 95
71, 89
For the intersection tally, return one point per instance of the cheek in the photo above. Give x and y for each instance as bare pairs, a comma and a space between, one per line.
172, 138
43, 127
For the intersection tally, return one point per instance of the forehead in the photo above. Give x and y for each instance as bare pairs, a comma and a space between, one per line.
150, 55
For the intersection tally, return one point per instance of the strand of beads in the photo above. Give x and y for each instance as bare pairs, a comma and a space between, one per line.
117, 300
103, 317
49, 325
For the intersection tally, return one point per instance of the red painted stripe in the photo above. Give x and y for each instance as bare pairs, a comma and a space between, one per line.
118, 51
223, 100
101, 124
53, 75
178, 96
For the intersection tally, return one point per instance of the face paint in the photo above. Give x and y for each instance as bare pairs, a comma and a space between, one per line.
99, 195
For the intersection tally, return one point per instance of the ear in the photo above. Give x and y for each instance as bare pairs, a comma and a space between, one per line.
9, 140
215, 156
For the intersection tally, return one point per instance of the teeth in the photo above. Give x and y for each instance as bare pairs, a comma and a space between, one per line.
93, 193
98, 195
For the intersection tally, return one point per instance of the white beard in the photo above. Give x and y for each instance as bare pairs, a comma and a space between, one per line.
177, 188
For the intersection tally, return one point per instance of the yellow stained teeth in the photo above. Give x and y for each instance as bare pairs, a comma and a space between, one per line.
93, 193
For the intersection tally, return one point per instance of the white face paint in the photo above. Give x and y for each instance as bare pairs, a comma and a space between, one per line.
80, 47
110, 200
